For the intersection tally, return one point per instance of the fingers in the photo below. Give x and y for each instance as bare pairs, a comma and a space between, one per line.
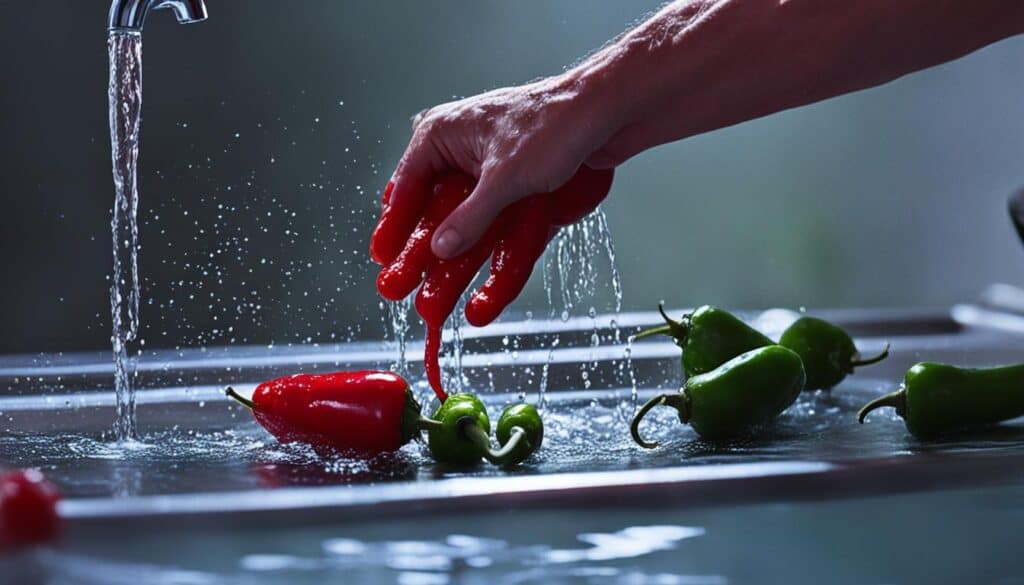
396, 280
465, 226
526, 233
405, 272
418, 168
403, 202
447, 279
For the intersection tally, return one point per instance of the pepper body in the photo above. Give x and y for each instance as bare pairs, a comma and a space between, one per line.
436, 299
744, 392
526, 234
829, 353
28, 509
362, 413
940, 398
525, 417
404, 273
715, 337
580, 195
448, 442
393, 229
709, 337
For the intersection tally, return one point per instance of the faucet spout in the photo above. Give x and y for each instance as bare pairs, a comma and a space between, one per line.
129, 15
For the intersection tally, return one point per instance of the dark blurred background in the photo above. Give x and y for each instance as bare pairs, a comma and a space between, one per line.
269, 129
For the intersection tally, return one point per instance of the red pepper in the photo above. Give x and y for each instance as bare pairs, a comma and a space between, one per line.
28, 509
517, 238
580, 195
442, 287
431, 353
401, 276
393, 228
359, 414
527, 232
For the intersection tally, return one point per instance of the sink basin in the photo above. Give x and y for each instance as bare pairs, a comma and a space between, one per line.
208, 495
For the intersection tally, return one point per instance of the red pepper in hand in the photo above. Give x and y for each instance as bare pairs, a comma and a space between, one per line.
442, 287
517, 239
527, 232
404, 273
392, 230
580, 195
360, 414
28, 509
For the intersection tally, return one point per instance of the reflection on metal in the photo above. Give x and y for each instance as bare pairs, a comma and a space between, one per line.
456, 492
1003, 297
130, 15
977, 316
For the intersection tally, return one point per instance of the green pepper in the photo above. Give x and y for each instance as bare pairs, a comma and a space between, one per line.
519, 419
460, 432
744, 392
827, 351
709, 337
448, 440
939, 398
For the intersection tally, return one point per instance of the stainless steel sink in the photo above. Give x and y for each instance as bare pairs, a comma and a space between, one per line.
205, 468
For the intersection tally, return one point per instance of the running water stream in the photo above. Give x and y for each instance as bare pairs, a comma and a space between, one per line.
125, 108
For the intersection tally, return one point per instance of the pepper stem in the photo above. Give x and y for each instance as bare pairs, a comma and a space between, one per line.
427, 424
499, 457
241, 399
659, 330
897, 400
871, 360
482, 440
673, 328
676, 400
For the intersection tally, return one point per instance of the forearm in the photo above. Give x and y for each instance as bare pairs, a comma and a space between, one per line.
705, 64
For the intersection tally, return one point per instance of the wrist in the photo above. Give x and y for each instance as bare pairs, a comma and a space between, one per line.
641, 73
610, 89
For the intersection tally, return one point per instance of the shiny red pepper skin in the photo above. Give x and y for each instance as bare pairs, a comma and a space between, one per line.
527, 232
445, 281
517, 239
402, 275
580, 195
431, 353
393, 228
359, 414
28, 509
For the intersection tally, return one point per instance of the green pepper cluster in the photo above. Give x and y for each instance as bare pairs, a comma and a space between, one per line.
738, 379
460, 432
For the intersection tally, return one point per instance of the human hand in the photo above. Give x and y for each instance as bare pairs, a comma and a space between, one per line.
517, 238
515, 141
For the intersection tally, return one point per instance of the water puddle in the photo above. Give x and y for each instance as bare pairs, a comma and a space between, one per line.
596, 557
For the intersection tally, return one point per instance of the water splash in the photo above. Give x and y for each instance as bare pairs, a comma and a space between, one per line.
125, 107
627, 373
571, 267
455, 381
398, 325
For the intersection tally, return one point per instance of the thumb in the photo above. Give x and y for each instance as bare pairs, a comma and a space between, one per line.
467, 224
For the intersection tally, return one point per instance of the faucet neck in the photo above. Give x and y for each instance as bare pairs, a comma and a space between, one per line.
130, 15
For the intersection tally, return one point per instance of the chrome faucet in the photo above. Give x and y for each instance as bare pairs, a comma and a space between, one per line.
129, 15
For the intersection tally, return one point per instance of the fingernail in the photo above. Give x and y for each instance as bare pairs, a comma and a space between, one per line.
448, 243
